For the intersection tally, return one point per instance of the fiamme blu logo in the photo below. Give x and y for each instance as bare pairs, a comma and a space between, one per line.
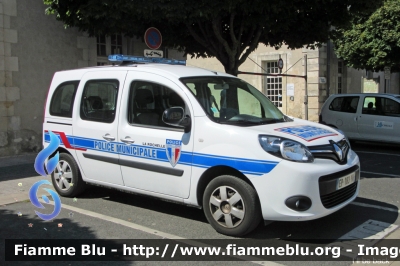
40, 165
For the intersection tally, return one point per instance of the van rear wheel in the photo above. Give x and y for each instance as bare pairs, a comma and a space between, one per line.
231, 206
66, 178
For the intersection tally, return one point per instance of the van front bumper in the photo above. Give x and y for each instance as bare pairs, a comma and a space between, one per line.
306, 191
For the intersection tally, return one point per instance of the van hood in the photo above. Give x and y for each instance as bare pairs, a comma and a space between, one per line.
303, 131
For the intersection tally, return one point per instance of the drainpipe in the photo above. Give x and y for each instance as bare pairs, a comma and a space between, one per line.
305, 88
328, 67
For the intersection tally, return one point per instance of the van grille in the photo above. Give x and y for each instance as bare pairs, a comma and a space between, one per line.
328, 151
335, 198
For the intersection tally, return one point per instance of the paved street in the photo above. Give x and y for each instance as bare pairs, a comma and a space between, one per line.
109, 214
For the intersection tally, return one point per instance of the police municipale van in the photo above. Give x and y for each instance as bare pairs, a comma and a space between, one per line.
198, 137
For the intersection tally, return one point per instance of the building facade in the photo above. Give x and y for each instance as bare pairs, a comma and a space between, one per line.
32, 47
326, 74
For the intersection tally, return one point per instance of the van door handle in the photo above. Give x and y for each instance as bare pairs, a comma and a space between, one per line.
108, 137
128, 140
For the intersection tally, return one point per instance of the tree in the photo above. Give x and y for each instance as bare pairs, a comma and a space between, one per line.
372, 42
226, 29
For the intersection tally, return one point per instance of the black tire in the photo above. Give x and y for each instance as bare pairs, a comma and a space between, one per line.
70, 174
236, 218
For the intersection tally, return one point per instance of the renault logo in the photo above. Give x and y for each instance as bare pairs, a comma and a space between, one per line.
338, 151
340, 148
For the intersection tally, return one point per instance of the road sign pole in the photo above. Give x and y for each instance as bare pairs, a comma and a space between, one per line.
305, 88
387, 73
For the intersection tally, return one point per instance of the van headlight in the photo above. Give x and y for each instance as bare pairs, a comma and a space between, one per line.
285, 148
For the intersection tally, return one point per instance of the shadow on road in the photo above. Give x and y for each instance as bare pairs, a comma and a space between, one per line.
376, 147
145, 202
330, 227
15, 227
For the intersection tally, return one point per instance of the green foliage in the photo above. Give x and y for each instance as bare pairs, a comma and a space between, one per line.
372, 42
226, 29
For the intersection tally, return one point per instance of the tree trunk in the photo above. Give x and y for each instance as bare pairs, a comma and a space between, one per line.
232, 70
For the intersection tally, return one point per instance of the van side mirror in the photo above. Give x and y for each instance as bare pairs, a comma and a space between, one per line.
175, 116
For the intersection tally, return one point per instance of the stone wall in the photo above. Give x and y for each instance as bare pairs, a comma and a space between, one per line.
9, 91
32, 47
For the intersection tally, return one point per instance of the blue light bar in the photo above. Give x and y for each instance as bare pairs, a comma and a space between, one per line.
141, 59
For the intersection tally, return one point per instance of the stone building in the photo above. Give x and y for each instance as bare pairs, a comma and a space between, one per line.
32, 47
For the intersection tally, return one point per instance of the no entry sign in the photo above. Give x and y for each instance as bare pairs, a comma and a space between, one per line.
152, 38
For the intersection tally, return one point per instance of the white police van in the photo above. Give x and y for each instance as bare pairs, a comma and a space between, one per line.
198, 137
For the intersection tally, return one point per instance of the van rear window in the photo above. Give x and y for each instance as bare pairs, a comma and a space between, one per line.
62, 101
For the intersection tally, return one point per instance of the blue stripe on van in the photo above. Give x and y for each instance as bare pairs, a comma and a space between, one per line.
255, 166
201, 160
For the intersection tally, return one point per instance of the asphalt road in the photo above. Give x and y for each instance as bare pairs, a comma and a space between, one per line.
380, 183
378, 160
380, 172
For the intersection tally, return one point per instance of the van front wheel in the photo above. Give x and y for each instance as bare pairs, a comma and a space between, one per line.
66, 178
231, 206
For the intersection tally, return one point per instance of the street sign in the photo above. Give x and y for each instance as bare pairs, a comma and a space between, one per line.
387, 72
290, 89
280, 63
153, 38
153, 53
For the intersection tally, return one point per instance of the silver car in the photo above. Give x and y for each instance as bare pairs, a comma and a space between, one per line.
364, 116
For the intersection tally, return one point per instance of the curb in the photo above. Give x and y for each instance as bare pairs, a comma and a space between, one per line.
17, 159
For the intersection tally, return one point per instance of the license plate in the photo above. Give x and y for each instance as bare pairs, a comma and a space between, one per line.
345, 181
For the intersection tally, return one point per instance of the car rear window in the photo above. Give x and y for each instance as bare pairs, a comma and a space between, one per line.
346, 104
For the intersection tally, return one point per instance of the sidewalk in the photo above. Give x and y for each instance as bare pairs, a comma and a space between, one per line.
17, 160
17, 175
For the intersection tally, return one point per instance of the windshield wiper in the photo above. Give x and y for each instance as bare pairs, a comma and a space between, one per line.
272, 121
263, 122
240, 121
287, 119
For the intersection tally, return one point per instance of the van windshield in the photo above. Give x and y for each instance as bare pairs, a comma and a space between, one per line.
233, 101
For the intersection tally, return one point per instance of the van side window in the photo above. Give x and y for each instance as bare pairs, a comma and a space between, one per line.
381, 106
148, 101
99, 100
62, 101
345, 104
